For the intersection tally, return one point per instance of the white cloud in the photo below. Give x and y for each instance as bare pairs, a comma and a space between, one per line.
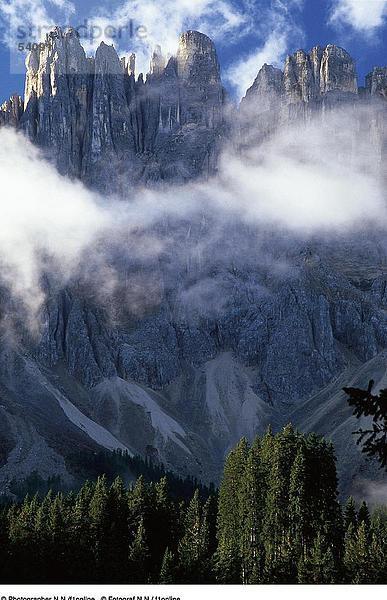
42, 214
363, 16
373, 492
39, 15
242, 73
307, 178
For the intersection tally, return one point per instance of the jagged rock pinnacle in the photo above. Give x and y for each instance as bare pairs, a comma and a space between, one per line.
197, 58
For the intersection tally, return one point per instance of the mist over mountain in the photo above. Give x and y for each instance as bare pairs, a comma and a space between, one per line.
178, 271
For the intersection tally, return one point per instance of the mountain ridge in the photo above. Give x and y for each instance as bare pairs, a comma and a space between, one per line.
92, 111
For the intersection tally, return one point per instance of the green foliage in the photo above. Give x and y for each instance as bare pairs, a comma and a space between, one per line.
194, 546
318, 566
350, 513
365, 549
231, 495
168, 569
276, 519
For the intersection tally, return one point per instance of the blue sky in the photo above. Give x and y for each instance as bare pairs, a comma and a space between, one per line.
247, 33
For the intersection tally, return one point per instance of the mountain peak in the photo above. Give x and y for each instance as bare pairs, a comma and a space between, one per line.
268, 86
107, 60
337, 70
307, 76
197, 57
197, 39
158, 62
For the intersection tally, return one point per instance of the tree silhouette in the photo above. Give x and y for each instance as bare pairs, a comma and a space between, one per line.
365, 404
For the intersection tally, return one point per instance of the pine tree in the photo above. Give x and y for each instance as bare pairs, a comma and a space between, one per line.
357, 558
139, 556
252, 506
4, 544
364, 516
81, 537
378, 546
193, 547
99, 524
322, 492
230, 514
117, 535
22, 535
168, 569
163, 519
317, 566
279, 565
138, 500
57, 537
299, 513
350, 514
364, 403
42, 535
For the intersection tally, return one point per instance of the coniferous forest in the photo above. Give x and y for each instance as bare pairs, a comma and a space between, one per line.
275, 519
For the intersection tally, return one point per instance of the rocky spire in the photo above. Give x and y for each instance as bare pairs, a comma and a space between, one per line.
107, 61
109, 135
197, 59
307, 79
299, 82
11, 111
315, 56
47, 66
158, 62
376, 82
337, 71
57, 92
201, 93
267, 89
307, 76
132, 65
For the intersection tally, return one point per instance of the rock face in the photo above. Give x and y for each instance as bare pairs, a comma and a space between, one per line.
376, 82
191, 388
312, 78
99, 121
11, 111
311, 84
57, 99
267, 88
188, 387
337, 70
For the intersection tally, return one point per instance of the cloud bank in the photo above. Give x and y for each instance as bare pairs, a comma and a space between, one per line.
44, 216
362, 16
305, 181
